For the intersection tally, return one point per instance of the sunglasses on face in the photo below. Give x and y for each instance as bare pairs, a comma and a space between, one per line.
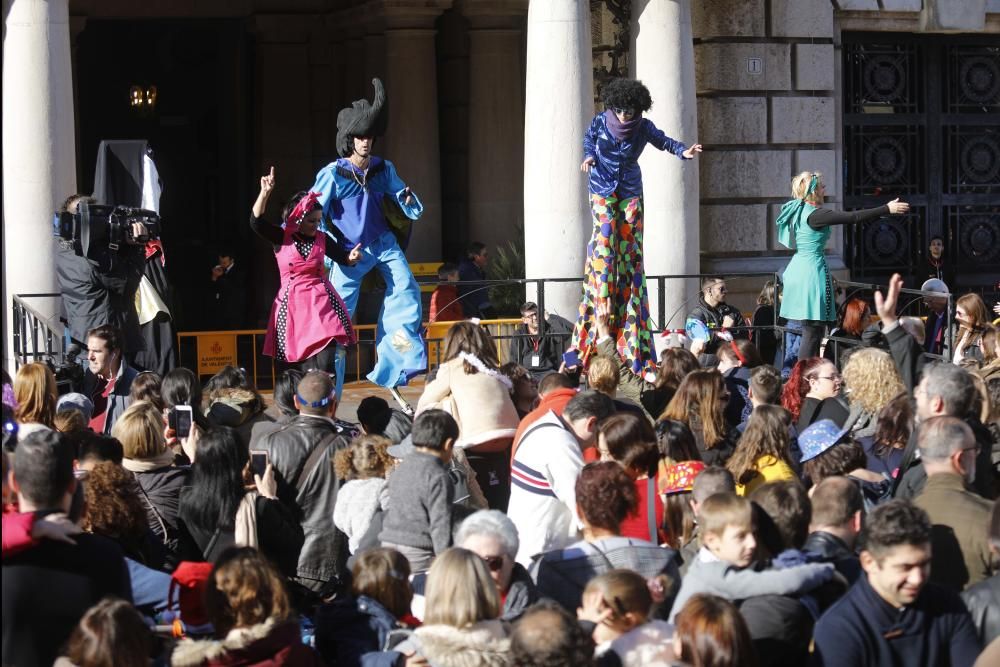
494, 563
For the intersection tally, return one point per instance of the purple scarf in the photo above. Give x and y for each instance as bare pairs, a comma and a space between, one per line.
619, 130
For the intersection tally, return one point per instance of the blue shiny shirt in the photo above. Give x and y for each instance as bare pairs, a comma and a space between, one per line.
617, 168
352, 199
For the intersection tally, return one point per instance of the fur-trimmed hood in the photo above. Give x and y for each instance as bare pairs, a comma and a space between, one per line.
649, 645
272, 642
483, 645
232, 407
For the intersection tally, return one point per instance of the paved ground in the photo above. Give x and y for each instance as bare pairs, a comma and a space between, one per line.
354, 392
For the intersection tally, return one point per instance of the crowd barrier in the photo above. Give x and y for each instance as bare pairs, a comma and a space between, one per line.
37, 337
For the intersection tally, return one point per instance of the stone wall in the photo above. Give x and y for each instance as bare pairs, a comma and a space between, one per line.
768, 78
767, 109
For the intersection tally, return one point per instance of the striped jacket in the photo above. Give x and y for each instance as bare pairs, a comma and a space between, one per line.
542, 493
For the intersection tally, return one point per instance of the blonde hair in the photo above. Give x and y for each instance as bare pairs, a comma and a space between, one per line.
140, 430
460, 591
367, 457
800, 186
721, 510
871, 379
603, 376
36, 394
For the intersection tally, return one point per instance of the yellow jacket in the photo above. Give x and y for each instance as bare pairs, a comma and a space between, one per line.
769, 469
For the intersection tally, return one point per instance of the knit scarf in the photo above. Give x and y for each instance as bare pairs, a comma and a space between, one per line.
246, 521
164, 459
621, 130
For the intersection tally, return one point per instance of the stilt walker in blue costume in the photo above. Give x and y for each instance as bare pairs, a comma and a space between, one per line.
368, 204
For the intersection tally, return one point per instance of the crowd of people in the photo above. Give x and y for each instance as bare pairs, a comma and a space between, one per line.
717, 513
741, 498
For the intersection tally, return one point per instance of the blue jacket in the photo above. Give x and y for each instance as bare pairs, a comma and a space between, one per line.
355, 631
352, 199
617, 168
863, 629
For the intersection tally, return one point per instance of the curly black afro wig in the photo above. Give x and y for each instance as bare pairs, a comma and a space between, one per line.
626, 94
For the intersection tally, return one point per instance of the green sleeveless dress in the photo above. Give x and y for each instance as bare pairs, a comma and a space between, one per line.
807, 290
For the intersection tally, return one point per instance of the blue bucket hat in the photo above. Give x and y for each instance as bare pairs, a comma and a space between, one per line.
819, 437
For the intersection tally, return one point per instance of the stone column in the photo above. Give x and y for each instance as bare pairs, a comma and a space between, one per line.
559, 104
412, 140
663, 58
496, 118
283, 69
39, 148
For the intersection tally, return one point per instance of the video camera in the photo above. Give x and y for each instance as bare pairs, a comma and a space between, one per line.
94, 229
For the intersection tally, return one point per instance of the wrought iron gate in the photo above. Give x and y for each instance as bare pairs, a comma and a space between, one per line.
922, 122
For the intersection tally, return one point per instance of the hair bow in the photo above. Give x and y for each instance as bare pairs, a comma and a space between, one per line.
305, 205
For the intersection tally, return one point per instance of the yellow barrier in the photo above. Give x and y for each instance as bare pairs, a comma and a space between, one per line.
216, 349
426, 270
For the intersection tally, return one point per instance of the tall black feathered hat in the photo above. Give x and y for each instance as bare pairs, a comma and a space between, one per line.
362, 119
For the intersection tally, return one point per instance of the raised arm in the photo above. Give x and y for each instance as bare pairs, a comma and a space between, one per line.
824, 217
271, 233
660, 140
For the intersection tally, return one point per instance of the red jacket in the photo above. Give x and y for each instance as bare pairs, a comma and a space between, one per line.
17, 532
555, 401
445, 306
264, 645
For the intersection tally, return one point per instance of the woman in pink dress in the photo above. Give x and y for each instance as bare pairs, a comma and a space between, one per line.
308, 319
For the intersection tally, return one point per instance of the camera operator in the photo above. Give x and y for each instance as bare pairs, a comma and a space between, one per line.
108, 380
101, 289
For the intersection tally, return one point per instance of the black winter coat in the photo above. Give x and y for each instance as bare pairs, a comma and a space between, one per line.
97, 293
983, 603
279, 535
311, 499
160, 492
832, 549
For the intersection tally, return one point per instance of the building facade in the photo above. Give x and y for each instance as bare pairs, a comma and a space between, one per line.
488, 103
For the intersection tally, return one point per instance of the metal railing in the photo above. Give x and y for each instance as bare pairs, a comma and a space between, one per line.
37, 337
852, 289
364, 355
503, 330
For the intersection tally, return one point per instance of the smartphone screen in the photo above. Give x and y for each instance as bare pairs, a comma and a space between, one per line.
180, 420
258, 462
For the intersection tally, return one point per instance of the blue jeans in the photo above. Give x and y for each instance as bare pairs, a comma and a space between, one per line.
398, 343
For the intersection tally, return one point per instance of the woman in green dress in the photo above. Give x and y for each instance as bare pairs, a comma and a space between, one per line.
804, 226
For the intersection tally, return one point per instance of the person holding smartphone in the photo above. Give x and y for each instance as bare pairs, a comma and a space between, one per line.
232, 500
